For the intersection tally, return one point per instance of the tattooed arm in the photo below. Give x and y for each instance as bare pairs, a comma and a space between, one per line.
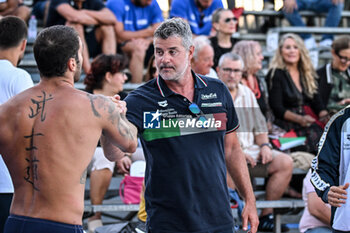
117, 130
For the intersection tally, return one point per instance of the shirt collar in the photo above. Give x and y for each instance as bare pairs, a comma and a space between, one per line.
165, 91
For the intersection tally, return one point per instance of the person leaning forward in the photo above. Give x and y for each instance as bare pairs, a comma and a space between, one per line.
48, 135
185, 179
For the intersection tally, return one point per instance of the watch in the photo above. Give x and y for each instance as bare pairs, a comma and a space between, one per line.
266, 144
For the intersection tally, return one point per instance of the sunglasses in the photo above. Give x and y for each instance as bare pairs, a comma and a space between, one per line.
234, 19
342, 58
193, 107
229, 71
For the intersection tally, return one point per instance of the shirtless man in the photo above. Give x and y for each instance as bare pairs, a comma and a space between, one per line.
48, 135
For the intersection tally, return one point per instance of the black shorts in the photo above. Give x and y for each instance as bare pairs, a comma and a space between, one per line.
22, 224
93, 45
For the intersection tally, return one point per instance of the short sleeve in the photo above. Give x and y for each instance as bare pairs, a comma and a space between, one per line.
157, 15
22, 82
178, 8
117, 7
134, 113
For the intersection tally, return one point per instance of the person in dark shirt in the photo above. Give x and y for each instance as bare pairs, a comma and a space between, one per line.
293, 95
91, 19
334, 77
224, 23
185, 178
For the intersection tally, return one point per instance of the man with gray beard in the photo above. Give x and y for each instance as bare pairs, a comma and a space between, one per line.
185, 177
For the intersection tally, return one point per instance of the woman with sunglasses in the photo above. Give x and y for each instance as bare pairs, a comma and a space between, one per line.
293, 95
334, 77
225, 23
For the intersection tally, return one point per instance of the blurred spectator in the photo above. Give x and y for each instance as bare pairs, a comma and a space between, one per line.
203, 56
91, 19
317, 214
105, 78
15, 8
40, 9
293, 95
251, 53
252, 136
333, 8
13, 40
123, 167
334, 77
152, 71
198, 13
225, 23
136, 22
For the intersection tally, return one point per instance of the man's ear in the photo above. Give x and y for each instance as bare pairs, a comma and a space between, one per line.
23, 45
191, 51
72, 64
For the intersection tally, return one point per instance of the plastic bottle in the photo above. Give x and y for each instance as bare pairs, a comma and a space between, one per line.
32, 28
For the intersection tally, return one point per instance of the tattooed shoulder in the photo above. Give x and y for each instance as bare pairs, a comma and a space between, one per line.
101, 103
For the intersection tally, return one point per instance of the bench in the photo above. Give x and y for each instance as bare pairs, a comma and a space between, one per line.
279, 207
259, 16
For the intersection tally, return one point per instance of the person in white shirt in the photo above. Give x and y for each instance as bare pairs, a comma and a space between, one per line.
316, 217
13, 34
203, 57
252, 136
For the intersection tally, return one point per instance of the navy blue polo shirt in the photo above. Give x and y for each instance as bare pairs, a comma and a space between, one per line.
185, 179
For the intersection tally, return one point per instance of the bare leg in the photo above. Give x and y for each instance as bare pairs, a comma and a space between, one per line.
23, 12
106, 37
280, 173
136, 49
80, 29
99, 183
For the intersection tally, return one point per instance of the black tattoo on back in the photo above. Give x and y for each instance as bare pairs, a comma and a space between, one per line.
40, 106
31, 171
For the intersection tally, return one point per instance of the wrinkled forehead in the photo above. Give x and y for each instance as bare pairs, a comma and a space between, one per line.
170, 42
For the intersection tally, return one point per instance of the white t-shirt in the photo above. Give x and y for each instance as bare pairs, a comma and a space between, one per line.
308, 221
13, 80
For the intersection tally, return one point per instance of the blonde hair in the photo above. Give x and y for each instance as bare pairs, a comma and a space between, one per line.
308, 77
246, 49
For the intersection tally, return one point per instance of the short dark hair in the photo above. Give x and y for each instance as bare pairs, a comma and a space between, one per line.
102, 64
53, 48
13, 31
342, 42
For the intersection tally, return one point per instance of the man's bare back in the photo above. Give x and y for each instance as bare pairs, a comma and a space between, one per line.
48, 135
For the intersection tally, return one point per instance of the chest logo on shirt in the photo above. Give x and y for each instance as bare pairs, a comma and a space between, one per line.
151, 120
209, 96
163, 103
